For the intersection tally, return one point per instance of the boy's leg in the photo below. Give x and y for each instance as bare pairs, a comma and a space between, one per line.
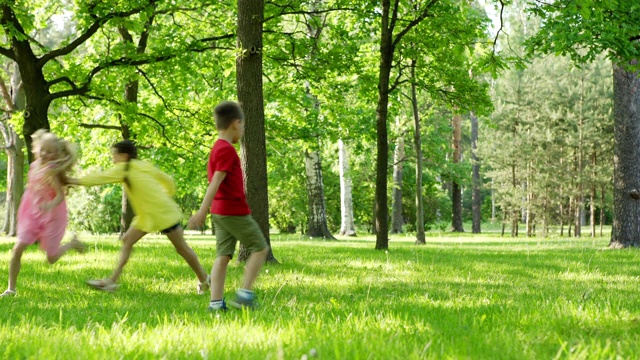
177, 239
218, 276
15, 264
128, 240
254, 264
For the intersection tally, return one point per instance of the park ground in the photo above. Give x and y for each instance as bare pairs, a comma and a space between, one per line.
457, 297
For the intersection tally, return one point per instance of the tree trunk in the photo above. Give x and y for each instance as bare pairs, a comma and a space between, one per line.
14, 145
602, 197
398, 159
382, 159
417, 144
315, 192
130, 96
626, 168
456, 191
347, 225
249, 86
15, 178
476, 196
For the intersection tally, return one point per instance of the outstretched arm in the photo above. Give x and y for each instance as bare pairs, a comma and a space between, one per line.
197, 220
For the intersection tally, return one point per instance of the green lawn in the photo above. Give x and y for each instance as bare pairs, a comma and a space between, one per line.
475, 297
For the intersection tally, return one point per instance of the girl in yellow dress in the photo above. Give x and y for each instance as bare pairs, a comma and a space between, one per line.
150, 193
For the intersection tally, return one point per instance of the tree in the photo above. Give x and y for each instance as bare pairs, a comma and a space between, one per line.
583, 31
347, 225
249, 83
476, 198
456, 188
453, 26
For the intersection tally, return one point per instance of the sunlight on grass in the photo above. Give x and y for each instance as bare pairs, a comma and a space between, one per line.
480, 297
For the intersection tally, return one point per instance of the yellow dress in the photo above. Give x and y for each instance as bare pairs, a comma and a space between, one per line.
150, 193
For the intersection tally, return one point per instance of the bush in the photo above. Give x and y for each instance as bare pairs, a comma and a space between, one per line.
95, 209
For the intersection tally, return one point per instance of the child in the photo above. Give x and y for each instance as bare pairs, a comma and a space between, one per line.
42, 215
230, 211
150, 192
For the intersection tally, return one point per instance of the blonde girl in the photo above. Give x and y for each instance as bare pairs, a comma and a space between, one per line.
42, 215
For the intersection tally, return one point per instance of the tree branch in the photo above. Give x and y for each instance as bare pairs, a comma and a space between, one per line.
415, 22
8, 53
89, 32
100, 126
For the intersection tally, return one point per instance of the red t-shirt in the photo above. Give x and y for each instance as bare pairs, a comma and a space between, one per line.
230, 198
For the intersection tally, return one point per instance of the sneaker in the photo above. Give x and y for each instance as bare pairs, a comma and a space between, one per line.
8, 293
217, 306
204, 286
244, 299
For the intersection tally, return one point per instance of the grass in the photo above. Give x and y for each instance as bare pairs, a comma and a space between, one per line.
479, 297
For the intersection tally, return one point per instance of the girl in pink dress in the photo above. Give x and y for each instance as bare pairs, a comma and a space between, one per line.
42, 215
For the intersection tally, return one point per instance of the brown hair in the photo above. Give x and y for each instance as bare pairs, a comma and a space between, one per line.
226, 112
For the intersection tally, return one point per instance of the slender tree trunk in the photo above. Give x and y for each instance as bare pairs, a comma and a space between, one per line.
514, 214
14, 145
15, 179
476, 198
456, 191
398, 160
417, 144
626, 168
131, 97
592, 210
315, 192
382, 159
602, 196
250, 95
347, 225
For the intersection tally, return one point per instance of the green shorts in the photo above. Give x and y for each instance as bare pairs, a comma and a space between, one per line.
231, 229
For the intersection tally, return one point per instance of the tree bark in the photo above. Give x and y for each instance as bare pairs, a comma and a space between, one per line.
14, 145
417, 144
317, 226
398, 159
626, 168
476, 196
382, 156
347, 224
456, 191
250, 95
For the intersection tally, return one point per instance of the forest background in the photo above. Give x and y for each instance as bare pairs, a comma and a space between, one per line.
479, 129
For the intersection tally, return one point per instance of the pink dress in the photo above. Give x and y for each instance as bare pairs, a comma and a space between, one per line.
47, 227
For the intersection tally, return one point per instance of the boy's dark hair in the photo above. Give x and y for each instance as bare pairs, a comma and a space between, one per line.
225, 113
129, 148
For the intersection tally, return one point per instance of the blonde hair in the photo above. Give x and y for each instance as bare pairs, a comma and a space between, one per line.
66, 155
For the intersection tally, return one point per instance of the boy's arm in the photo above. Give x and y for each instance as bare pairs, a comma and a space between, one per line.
197, 220
57, 187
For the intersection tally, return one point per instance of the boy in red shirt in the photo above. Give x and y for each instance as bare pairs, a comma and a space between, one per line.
230, 211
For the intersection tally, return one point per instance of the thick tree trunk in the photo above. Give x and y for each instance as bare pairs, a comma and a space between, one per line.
476, 198
317, 226
417, 145
456, 190
626, 168
397, 220
249, 85
382, 159
347, 224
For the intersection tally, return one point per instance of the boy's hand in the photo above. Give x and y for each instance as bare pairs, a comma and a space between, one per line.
197, 221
